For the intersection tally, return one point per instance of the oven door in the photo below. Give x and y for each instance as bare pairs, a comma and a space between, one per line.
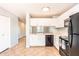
64, 47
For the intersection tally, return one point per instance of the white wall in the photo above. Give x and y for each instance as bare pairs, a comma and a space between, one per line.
4, 33
14, 26
27, 30
14, 30
22, 29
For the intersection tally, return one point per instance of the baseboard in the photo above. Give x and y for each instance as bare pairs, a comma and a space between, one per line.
22, 37
4, 50
56, 48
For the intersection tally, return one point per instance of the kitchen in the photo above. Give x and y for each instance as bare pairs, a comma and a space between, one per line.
41, 28
60, 31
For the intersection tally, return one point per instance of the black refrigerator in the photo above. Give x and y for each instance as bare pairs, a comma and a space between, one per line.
73, 35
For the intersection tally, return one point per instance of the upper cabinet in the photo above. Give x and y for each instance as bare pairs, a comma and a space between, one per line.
64, 16
42, 21
59, 23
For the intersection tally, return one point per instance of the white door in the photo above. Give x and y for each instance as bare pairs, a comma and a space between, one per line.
4, 33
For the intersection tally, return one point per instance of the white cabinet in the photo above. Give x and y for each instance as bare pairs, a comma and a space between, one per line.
37, 40
61, 18
56, 42
42, 21
4, 33
59, 22
33, 40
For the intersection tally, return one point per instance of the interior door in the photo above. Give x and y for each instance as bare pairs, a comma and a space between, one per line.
4, 33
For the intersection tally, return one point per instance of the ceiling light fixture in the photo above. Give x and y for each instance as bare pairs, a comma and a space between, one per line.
45, 9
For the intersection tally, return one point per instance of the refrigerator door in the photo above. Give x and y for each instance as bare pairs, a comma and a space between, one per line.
75, 23
74, 49
73, 35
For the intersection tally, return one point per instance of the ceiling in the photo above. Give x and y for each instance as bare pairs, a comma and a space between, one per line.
35, 9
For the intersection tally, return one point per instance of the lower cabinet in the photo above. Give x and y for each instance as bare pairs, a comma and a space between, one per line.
41, 40
56, 42
37, 40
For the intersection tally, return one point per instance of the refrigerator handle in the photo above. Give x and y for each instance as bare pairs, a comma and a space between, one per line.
71, 39
71, 36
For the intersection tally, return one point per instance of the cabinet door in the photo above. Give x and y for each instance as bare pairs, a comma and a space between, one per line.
56, 42
41, 40
59, 23
4, 33
33, 40
37, 40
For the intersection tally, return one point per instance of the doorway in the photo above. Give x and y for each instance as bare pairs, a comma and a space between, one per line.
22, 34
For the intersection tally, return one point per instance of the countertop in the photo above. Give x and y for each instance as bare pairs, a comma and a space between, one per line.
64, 37
42, 34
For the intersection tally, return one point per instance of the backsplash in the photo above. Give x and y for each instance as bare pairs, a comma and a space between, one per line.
62, 31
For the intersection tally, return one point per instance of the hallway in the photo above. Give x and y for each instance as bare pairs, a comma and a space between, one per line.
20, 50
